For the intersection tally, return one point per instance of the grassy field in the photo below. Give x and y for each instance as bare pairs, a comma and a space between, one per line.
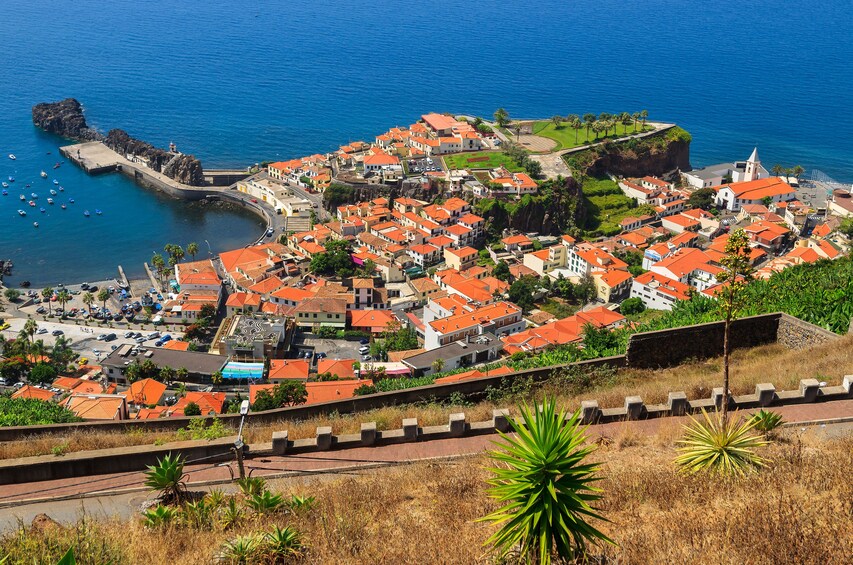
481, 160
773, 363
567, 137
606, 206
793, 511
559, 308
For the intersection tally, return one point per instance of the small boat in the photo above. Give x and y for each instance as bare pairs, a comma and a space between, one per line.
61, 189
31, 203
26, 186
22, 213
5, 192
12, 156
11, 178
50, 200
63, 206
55, 181
42, 210
56, 166
52, 192
5, 184
98, 212
86, 213
35, 224
23, 197
34, 195
43, 175
71, 200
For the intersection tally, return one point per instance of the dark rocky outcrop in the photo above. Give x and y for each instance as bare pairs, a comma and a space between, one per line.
654, 155
556, 210
185, 169
64, 118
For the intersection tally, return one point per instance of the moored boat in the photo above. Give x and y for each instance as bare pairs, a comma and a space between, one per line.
11, 178
12, 156
71, 200
61, 189
22, 213
31, 203
55, 181
98, 212
62, 206
35, 224
50, 200
23, 197
52, 192
43, 175
5, 184
5, 192
42, 210
34, 195
86, 213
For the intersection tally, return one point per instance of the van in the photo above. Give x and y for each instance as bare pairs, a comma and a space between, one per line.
364, 349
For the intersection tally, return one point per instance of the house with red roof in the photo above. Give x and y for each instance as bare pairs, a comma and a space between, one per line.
371, 321
341, 368
561, 332
29, 391
288, 369
658, 292
734, 195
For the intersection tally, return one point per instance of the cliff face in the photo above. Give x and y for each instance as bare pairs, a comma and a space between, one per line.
557, 209
185, 169
64, 118
655, 155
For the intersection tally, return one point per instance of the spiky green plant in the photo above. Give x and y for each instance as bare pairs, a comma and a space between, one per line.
232, 514
167, 476
242, 549
198, 514
215, 498
265, 502
159, 517
718, 446
545, 487
251, 486
298, 503
766, 421
282, 544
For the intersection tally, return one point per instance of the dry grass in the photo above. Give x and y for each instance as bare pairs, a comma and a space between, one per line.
798, 510
772, 363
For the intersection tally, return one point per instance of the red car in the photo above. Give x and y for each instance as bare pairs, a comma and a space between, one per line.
254, 200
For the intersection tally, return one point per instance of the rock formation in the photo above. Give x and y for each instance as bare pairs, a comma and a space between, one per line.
64, 118
654, 155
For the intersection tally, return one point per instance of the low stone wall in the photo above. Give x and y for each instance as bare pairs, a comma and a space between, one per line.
794, 333
667, 348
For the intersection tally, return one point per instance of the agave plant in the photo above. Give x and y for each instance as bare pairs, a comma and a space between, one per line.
232, 514
717, 446
215, 499
159, 517
766, 421
242, 549
265, 502
283, 543
298, 503
198, 515
251, 486
545, 487
167, 476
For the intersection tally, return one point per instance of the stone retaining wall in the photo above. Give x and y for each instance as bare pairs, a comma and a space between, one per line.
794, 333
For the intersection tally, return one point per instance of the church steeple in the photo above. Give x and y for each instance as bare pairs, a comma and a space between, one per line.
753, 165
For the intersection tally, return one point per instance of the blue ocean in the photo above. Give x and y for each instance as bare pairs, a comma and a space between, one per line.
241, 82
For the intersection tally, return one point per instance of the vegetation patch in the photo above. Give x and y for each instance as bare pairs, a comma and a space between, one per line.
482, 160
32, 412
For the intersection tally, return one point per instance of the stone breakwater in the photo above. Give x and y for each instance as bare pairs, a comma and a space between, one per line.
66, 118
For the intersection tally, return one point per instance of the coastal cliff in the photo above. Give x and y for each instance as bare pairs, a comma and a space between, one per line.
65, 118
654, 155
185, 169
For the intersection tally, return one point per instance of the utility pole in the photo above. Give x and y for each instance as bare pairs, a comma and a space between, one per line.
238, 445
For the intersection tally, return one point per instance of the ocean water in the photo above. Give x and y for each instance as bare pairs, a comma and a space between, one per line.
241, 82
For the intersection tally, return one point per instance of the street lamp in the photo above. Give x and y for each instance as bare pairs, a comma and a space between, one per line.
238, 445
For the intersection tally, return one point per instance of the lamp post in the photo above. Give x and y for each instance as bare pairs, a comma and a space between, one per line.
238, 445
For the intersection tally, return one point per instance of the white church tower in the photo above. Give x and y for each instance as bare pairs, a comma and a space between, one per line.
753, 167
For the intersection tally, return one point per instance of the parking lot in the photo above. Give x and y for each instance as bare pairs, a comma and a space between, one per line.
333, 348
424, 165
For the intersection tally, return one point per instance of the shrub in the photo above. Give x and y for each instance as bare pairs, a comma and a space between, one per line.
198, 429
251, 486
718, 446
167, 476
632, 306
545, 487
265, 502
32, 412
242, 549
282, 544
192, 409
766, 421
159, 517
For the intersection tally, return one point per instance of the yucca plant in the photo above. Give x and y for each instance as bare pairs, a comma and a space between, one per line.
766, 421
545, 487
298, 503
215, 499
232, 514
251, 486
719, 446
282, 544
242, 549
167, 476
159, 517
265, 502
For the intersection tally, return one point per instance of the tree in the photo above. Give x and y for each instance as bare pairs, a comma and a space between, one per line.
437, 365
557, 121
30, 329
521, 292
63, 298
702, 198
337, 194
644, 114
585, 289
181, 374
336, 260
731, 298
544, 486
47, 294
777, 170
42, 373
166, 374
846, 227
192, 249
192, 409
576, 125
632, 306
216, 377
797, 171
12, 294
207, 311
533, 168
767, 201
501, 271
588, 120
103, 296
88, 300
501, 117
61, 353
288, 393
635, 117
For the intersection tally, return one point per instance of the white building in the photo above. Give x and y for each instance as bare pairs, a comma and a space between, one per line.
715, 175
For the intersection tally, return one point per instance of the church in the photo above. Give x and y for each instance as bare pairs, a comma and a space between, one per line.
725, 173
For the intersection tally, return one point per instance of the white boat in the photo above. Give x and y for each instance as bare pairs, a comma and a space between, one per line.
62, 206
50, 200
35, 224
5, 184
55, 181
43, 175
61, 189
53, 192
23, 197
22, 213
12, 156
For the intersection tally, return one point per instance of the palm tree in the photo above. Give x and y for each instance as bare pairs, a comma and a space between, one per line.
438, 365
625, 118
644, 114
192, 249
501, 117
30, 329
166, 373
179, 253
777, 170
636, 117
47, 293
88, 300
588, 119
557, 120
103, 296
598, 127
63, 298
604, 118
181, 374
797, 171
216, 377
576, 125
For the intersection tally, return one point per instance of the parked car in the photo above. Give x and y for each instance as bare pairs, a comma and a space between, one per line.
364, 341
153, 335
41, 310
42, 331
128, 334
57, 332
365, 357
140, 340
167, 337
110, 337
102, 337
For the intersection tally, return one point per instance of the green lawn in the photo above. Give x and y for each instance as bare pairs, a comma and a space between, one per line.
606, 206
566, 137
559, 308
481, 160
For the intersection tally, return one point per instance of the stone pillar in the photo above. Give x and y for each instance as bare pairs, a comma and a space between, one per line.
590, 412
324, 438
809, 389
766, 394
847, 383
457, 424
410, 429
500, 419
279, 443
368, 433
677, 403
633, 407
717, 397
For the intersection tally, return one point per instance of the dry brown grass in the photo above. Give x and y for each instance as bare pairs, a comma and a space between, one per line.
772, 363
798, 510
